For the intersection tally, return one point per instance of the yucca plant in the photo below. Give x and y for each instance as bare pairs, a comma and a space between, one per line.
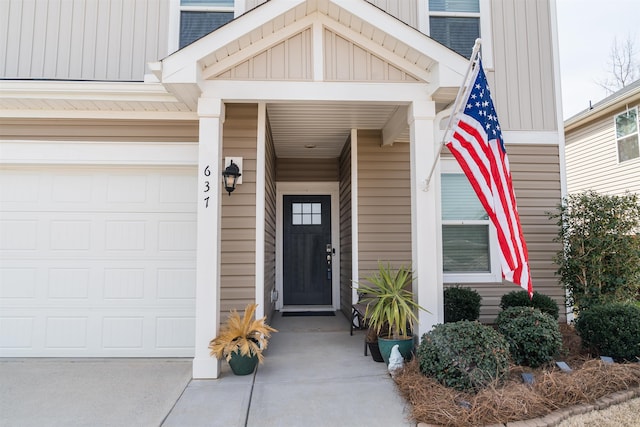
390, 301
242, 335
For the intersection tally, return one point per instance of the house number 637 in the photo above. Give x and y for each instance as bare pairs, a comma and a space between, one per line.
207, 187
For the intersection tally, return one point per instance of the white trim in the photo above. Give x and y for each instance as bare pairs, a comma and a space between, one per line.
314, 188
173, 36
99, 153
617, 139
260, 207
275, 91
355, 232
240, 8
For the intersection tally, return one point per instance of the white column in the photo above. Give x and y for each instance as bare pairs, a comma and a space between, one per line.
211, 113
425, 216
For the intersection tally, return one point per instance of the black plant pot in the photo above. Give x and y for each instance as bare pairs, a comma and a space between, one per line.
374, 349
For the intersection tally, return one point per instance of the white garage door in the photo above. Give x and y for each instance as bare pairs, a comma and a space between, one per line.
97, 261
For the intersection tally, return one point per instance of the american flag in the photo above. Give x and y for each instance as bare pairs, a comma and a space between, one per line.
476, 142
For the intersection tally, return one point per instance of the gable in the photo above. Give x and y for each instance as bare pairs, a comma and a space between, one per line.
320, 40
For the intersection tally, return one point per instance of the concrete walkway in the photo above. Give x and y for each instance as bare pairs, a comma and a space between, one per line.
315, 374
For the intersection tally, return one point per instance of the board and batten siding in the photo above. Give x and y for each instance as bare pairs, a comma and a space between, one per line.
592, 159
536, 180
269, 222
238, 242
81, 40
346, 237
384, 203
522, 82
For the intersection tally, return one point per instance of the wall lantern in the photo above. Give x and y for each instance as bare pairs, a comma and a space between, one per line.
231, 176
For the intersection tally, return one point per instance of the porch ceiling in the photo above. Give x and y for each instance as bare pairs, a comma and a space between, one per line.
319, 130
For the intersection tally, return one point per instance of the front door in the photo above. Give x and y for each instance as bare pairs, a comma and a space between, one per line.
307, 250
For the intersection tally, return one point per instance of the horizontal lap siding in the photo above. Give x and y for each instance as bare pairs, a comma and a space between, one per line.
270, 223
238, 246
536, 180
311, 170
384, 203
346, 245
592, 159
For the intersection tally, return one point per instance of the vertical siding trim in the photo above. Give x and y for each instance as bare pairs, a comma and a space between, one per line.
260, 207
355, 265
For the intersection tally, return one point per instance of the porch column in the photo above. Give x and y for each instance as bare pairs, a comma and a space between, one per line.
425, 216
211, 113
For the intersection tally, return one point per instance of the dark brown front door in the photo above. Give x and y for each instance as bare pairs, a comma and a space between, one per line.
307, 250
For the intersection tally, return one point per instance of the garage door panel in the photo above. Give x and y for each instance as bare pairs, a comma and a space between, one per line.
97, 263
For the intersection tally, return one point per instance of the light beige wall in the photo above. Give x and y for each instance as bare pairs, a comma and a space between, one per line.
404, 10
384, 203
317, 170
592, 159
238, 250
100, 130
346, 237
523, 82
536, 180
85, 40
270, 223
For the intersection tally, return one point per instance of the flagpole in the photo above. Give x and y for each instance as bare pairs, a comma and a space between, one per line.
474, 54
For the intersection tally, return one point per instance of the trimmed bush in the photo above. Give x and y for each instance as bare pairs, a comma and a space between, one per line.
521, 299
466, 356
534, 337
461, 304
611, 330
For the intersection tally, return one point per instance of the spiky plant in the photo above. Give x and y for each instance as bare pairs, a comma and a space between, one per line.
242, 335
390, 301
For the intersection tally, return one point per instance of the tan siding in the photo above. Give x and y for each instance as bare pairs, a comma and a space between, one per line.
99, 130
404, 10
522, 83
85, 40
346, 237
317, 170
345, 61
237, 274
537, 193
592, 160
384, 203
288, 60
270, 223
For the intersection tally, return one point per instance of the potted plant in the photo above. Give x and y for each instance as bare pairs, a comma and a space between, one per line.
390, 303
241, 341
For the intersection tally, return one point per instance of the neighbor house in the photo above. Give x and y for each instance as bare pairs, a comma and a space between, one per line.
118, 118
603, 147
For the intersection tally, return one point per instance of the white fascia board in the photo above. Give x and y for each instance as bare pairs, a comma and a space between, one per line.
256, 48
86, 91
99, 153
193, 53
274, 91
405, 33
98, 114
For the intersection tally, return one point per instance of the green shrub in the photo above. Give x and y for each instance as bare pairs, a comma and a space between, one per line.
464, 355
611, 330
534, 337
521, 299
461, 304
599, 259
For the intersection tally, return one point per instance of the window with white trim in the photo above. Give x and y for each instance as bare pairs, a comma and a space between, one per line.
457, 24
200, 17
627, 139
469, 242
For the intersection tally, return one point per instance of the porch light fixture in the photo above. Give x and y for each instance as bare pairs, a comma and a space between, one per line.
230, 177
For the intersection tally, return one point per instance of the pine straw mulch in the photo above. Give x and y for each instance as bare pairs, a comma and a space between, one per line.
512, 400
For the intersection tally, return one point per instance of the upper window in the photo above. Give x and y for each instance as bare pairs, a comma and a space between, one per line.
455, 23
627, 135
200, 17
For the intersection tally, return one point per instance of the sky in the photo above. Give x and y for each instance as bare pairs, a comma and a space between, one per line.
586, 30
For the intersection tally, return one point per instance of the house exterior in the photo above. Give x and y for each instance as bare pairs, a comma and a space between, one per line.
118, 118
602, 145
